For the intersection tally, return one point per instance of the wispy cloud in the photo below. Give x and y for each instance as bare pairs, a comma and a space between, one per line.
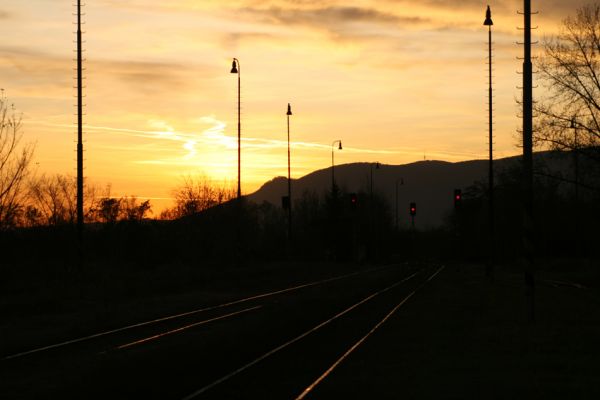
339, 21
327, 17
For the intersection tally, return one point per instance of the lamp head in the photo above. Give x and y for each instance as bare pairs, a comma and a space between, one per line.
234, 67
340, 147
488, 17
289, 110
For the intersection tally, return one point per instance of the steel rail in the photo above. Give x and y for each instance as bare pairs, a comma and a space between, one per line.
296, 339
308, 389
183, 328
188, 313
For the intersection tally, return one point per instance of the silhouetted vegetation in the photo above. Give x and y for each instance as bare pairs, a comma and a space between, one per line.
569, 115
15, 162
197, 194
565, 226
339, 226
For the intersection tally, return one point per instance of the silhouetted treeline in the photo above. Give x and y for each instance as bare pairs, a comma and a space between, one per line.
51, 200
338, 226
236, 232
566, 224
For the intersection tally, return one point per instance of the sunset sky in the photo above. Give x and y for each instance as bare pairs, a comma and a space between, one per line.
395, 80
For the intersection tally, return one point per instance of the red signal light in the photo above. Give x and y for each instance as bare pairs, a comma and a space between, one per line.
413, 209
353, 199
457, 197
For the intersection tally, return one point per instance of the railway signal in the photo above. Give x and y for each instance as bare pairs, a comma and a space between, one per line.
413, 212
457, 198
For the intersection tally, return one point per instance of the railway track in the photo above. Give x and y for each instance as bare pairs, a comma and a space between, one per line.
185, 314
215, 351
222, 387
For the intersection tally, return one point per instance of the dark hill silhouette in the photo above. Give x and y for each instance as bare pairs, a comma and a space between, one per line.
428, 183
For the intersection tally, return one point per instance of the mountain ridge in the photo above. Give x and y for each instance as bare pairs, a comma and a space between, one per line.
429, 183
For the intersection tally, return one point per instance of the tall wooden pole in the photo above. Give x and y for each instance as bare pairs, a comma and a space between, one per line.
79, 137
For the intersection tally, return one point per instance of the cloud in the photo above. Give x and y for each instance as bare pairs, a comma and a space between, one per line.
4, 14
556, 8
39, 67
327, 17
340, 23
145, 75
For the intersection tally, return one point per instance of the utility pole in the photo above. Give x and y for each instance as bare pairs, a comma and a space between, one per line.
79, 138
490, 267
528, 222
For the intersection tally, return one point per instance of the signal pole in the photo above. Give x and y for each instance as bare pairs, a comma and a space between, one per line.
528, 223
490, 267
79, 137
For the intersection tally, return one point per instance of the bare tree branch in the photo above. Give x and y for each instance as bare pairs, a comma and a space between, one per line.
15, 160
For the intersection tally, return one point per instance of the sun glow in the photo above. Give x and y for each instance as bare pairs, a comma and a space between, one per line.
394, 80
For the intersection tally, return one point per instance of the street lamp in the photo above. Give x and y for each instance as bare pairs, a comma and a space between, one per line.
575, 152
377, 166
289, 112
401, 180
372, 249
575, 159
332, 164
235, 69
490, 267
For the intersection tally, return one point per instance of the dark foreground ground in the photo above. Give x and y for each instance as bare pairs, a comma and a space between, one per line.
456, 337
462, 338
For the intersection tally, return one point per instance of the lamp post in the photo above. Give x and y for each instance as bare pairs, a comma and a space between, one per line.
372, 242
377, 166
333, 164
576, 160
490, 267
235, 69
401, 180
289, 112
575, 152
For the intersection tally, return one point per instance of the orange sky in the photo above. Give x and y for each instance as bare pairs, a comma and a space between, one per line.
395, 80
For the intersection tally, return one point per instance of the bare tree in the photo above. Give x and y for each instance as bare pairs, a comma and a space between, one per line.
109, 210
196, 195
133, 210
127, 208
52, 200
15, 160
569, 114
